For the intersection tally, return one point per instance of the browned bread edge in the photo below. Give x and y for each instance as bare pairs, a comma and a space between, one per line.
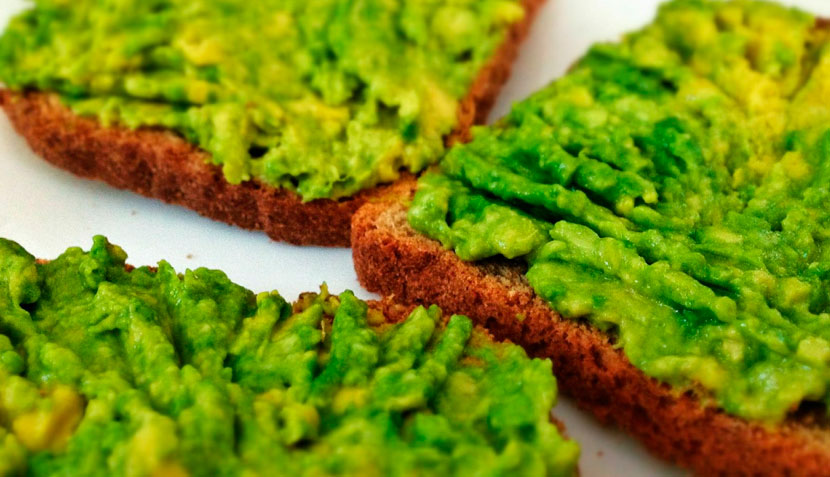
392, 259
156, 163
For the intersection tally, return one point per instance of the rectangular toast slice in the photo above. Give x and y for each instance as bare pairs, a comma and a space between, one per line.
156, 371
157, 163
676, 424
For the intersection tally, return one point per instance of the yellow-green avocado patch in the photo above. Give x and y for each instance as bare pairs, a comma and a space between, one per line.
324, 97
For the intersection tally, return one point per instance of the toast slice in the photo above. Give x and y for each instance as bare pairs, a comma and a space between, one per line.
159, 164
676, 424
220, 380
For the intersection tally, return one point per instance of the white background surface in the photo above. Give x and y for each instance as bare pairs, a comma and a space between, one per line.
47, 210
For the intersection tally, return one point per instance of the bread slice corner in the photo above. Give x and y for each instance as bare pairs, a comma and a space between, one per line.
675, 424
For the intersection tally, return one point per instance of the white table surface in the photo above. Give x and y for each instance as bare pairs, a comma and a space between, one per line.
46, 209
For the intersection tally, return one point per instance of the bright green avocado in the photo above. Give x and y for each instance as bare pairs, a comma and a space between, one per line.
324, 97
673, 189
146, 372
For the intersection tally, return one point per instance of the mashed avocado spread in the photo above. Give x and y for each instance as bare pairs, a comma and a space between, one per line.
105, 371
325, 97
673, 188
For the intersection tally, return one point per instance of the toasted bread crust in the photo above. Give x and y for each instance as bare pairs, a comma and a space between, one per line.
159, 164
392, 259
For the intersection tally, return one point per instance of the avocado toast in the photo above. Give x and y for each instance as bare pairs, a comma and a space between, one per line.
277, 116
107, 369
655, 223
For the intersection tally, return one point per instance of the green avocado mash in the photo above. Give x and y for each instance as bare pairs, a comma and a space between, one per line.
105, 371
324, 97
673, 188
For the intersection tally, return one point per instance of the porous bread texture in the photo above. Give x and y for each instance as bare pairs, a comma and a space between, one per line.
676, 424
159, 164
